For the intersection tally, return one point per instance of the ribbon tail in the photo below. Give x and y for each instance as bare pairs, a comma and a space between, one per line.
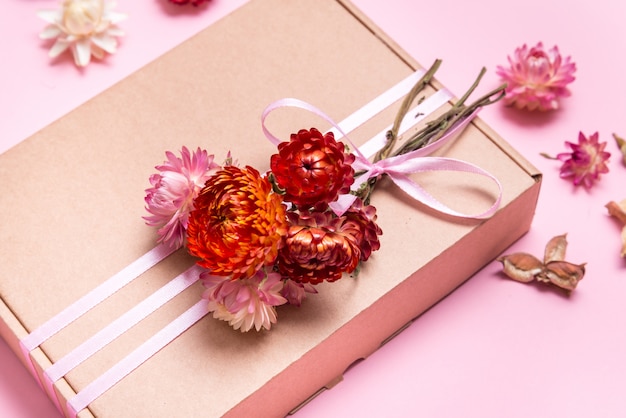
420, 194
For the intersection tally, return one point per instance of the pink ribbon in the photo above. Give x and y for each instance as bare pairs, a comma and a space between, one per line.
119, 326
398, 167
86, 303
137, 357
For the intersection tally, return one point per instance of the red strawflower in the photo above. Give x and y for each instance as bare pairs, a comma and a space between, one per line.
319, 247
238, 223
312, 168
586, 161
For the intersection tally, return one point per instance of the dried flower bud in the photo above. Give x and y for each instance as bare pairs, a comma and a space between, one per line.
521, 266
555, 249
563, 274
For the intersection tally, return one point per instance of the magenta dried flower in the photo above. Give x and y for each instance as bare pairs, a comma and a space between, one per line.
586, 161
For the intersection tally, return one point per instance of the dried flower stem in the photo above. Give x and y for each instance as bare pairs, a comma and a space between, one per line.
437, 128
392, 135
434, 129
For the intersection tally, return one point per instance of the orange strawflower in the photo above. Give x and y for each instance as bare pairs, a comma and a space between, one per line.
238, 223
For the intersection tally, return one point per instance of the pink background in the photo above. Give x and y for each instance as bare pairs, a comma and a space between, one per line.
494, 348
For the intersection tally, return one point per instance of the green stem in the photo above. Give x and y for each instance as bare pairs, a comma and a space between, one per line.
392, 135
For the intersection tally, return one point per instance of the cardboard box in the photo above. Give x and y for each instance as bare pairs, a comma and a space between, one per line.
72, 200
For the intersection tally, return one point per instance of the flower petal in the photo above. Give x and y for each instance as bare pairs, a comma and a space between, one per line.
105, 42
115, 17
115, 31
50, 32
59, 47
51, 16
522, 267
97, 52
82, 52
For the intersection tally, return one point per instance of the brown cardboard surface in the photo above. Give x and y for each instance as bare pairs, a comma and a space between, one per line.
72, 200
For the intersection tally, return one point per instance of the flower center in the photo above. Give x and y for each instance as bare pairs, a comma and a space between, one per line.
81, 17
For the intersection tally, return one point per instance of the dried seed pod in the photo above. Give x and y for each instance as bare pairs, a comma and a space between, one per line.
522, 267
563, 274
621, 144
555, 249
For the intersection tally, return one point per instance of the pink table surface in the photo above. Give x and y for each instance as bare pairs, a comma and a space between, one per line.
494, 348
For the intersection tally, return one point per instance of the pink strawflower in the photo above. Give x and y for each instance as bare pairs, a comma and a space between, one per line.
174, 188
537, 78
244, 303
295, 292
586, 161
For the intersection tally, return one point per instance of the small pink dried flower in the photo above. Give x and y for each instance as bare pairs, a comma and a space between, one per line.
170, 199
586, 161
244, 303
537, 78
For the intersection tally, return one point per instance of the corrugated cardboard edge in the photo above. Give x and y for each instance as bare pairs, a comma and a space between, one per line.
522, 207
